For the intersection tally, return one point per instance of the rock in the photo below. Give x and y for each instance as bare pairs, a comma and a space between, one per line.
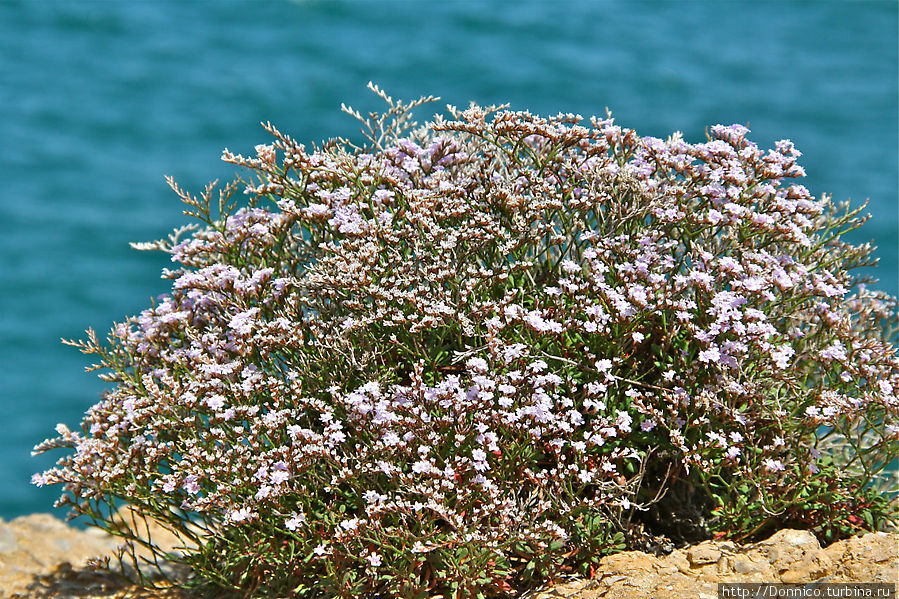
796, 556
8, 542
873, 557
751, 564
704, 553
628, 563
36, 544
788, 556
40, 553
678, 560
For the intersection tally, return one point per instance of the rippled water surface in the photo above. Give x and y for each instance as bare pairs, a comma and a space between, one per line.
100, 99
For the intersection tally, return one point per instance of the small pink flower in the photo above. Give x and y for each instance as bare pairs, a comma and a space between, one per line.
710, 355
239, 515
772, 465
215, 402
374, 560
477, 365
421, 466
295, 521
191, 485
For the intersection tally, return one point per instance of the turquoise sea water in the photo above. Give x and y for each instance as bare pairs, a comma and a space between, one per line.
100, 99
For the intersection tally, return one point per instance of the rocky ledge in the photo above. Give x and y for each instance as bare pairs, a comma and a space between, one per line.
42, 557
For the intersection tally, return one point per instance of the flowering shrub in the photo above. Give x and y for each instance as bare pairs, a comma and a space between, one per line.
475, 356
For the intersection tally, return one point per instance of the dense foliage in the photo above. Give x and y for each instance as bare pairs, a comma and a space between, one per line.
472, 357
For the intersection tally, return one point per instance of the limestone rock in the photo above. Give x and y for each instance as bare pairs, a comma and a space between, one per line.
41, 556
703, 554
789, 556
37, 544
872, 557
796, 556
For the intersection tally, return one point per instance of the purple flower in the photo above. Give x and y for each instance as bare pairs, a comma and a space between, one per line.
240, 515
782, 355
477, 364
374, 560
215, 402
772, 465
422, 466
710, 355
295, 521
191, 485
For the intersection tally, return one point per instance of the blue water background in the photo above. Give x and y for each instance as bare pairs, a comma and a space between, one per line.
99, 100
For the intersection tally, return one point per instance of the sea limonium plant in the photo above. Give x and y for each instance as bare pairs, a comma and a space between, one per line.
472, 357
